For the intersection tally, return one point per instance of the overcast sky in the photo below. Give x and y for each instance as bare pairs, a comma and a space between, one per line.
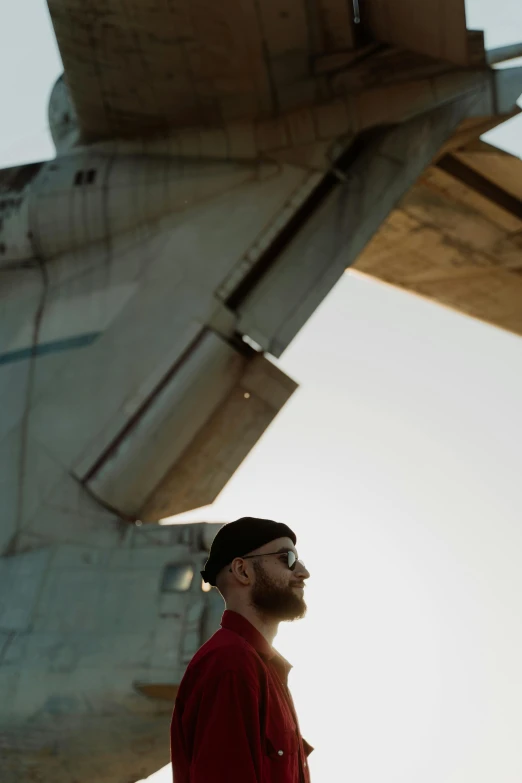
398, 464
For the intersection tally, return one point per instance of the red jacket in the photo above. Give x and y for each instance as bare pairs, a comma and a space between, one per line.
234, 719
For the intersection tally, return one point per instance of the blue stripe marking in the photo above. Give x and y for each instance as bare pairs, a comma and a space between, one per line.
55, 346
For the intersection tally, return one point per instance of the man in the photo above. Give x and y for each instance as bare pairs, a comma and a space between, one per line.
234, 720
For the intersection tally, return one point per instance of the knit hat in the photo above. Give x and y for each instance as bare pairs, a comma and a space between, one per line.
238, 539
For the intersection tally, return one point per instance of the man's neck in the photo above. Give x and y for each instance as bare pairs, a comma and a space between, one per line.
266, 627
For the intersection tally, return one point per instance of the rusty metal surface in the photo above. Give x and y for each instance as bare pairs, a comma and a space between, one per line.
15, 179
456, 238
494, 164
433, 27
146, 67
223, 442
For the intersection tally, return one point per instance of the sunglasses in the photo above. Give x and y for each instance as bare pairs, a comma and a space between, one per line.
291, 557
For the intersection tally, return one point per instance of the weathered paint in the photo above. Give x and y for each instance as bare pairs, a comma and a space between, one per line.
180, 207
44, 349
91, 651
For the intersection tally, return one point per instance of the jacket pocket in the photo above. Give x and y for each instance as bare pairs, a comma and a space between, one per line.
281, 757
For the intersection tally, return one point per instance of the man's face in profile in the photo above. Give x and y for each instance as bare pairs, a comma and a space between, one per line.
277, 591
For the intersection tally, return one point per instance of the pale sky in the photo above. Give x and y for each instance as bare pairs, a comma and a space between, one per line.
398, 465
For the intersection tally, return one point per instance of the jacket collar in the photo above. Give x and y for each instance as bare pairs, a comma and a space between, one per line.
235, 622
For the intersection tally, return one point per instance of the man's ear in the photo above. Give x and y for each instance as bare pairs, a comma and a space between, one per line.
239, 569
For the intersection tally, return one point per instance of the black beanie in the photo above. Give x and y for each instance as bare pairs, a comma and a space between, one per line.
238, 539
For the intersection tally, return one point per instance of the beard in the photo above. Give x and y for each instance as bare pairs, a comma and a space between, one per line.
274, 601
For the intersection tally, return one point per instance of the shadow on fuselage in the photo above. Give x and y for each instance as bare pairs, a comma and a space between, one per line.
93, 644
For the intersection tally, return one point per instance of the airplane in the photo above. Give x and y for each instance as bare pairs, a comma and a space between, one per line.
218, 168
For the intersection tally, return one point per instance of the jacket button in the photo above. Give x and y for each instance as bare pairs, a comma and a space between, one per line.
279, 752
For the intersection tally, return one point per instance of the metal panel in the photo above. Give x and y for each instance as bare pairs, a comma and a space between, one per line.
21, 578
137, 461
15, 241
337, 25
377, 176
74, 695
142, 67
498, 166
433, 27
455, 238
489, 190
224, 441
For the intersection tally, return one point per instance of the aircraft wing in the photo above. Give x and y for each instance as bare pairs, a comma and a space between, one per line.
146, 66
456, 237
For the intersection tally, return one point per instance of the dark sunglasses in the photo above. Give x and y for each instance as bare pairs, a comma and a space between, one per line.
292, 558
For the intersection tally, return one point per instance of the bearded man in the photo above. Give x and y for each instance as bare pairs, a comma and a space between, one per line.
234, 719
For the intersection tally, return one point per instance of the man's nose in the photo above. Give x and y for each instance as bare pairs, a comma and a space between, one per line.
302, 570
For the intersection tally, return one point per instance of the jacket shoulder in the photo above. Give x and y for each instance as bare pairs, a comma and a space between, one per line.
224, 652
